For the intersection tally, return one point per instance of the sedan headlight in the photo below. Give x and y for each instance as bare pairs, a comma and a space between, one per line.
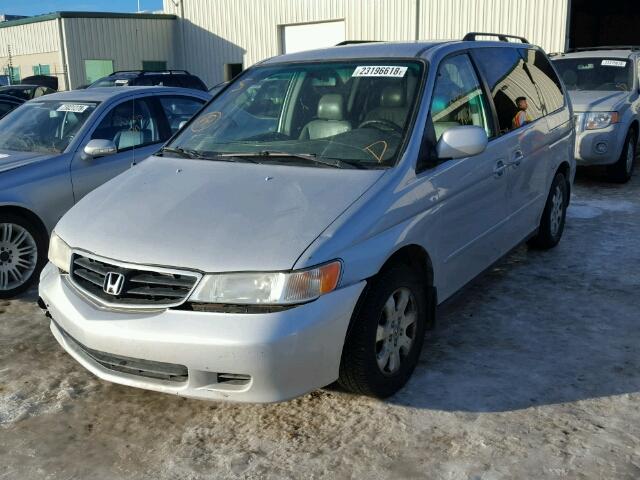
268, 288
597, 120
59, 253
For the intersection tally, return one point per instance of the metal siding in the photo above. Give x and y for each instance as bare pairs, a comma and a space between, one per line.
126, 41
542, 22
40, 37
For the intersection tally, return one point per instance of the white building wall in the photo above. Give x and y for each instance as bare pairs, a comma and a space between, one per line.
126, 41
246, 31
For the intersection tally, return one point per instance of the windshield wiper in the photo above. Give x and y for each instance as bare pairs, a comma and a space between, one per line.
311, 157
182, 152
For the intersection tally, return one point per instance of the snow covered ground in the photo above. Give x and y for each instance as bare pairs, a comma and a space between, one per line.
534, 372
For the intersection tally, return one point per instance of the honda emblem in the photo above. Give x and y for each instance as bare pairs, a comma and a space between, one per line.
113, 283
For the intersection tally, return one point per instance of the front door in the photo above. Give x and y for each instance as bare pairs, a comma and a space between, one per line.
134, 127
471, 191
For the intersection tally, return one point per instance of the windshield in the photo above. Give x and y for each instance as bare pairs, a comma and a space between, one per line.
602, 74
353, 114
44, 126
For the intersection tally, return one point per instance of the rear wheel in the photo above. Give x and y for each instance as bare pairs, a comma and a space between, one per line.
384, 343
622, 170
22, 254
553, 216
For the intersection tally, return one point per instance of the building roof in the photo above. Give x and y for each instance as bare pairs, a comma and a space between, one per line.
52, 16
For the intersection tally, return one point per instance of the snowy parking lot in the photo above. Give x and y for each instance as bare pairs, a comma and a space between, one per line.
533, 372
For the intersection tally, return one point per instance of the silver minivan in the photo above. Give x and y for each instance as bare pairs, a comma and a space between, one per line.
302, 228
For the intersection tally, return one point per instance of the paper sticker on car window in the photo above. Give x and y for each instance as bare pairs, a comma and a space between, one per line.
72, 107
121, 82
614, 63
585, 66
379, 71
3, 155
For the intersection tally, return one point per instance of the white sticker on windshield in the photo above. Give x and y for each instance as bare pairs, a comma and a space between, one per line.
121, 82
379, 71
613, 63
3, 155
72, 107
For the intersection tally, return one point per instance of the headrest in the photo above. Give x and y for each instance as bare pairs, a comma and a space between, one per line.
330, 107
392, 97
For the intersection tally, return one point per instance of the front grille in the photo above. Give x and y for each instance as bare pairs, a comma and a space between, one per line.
169, 372
141, 288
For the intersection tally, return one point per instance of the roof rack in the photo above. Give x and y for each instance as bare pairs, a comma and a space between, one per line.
633, 48
471, 36
144, 72
355, 42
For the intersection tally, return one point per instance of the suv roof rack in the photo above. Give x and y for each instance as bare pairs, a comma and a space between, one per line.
150, 72
355, 42
503, 37
633, 48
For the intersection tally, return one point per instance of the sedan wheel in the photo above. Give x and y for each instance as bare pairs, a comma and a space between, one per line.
396, 330
18, 256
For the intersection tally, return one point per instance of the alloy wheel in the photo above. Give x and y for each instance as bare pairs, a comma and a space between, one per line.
18, 256
396, 330
557, 208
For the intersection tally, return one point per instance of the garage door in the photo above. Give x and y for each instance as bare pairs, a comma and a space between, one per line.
297, 38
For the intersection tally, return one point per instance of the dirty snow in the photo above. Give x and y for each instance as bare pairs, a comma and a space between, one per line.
534, 372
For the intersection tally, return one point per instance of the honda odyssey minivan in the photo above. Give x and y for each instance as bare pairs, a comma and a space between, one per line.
302, 228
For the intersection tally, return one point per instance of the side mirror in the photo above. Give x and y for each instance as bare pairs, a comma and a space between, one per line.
100, 148
460, 142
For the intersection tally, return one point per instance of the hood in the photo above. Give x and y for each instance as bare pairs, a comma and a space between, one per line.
212, 216
12, 159
591, 100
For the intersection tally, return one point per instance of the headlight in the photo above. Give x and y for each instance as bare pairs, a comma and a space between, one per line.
59, 253
268, 288
596, 120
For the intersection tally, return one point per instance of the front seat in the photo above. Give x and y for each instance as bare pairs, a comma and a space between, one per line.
330, 120
392, 107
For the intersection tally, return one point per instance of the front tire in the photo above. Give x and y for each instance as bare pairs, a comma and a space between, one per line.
22, 254
621, 171
554, 215
386, 337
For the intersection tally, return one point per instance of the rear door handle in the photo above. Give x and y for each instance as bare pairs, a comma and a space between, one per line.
499, 169
518, 156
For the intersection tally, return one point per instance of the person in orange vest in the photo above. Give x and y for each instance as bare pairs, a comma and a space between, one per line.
522, 117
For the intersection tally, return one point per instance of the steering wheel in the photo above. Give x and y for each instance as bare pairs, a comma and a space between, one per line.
381, 124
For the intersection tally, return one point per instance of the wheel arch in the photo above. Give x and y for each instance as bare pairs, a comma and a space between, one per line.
565, 169
28, 215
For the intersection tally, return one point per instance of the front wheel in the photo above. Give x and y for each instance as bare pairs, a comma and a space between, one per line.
386, 337
553, 216
622, 170
22, 254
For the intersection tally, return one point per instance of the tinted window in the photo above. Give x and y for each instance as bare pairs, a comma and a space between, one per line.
458, 98
514, 93
190, 81
179, 110
545, 79
6, 107
601, 74
129, 124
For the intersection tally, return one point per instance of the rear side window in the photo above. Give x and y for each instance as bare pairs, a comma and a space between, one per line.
545, 80
190, 81
515, 96
179, 110
458, 98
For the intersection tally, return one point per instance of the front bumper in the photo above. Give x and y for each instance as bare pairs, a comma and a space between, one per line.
588, 141
284, 354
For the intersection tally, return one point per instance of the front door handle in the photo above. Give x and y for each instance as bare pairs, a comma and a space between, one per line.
498, 170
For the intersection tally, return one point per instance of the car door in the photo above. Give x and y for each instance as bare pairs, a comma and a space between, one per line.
515, 83
471, 191
135, 127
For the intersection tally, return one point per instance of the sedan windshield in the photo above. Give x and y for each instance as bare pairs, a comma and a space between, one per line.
43, 126
601, 74
343, 114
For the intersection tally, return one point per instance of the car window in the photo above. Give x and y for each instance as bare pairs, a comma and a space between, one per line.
354, 113
191, 81
179, 109
129, 124
515, 96
458, 98
6, 107
596, 74
44, 126
545, 80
